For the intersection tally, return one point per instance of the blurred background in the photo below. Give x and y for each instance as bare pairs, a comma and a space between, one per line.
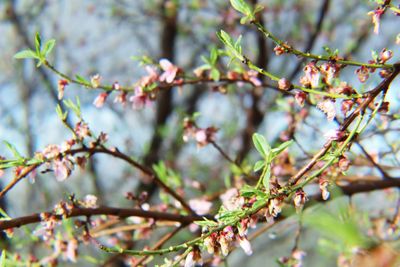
107, 38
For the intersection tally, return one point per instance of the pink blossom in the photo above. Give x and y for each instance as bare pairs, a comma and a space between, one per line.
200, 206
121, 98
312, 74
376, 18
284, 84
224, 244
189, 261
62, 168
231, 199
330, 71
346, 106
116, 86
251, 76
323, 186
71, 252
95, 80
82, 130
150, 78
328, 107
335, 135
100, 99
51, 151
385, 55
61, 87
300, 98
344, 163
279, 50
140, 99
170, 71
90, 201
245, 245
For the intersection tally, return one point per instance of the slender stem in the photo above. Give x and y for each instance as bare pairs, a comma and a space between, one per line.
291, 50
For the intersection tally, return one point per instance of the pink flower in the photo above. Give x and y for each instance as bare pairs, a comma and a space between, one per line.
251, 76
279, 50
200, 206
344, 163
328, 107
323, 186
95, 80
284, 84
62, 168
224, 244
71, 252
376, 18
170, 71
385, 55
189, 261
335, 135
116, 86
245, 245
121, 98
299, 199
51, 151
346, 106
300, 98
140, 99
150, 78
82, 130
330, 71
312, 74
362, 73
61, 87
90, 201
100, 99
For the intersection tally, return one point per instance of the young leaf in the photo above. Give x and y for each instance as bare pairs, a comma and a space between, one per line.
26, 54
206, 223
38, 43
13, 150
241, 6
267, 177
62, 115
259, 165
276, 151
48, 47
82, 80
215, 75
261, 145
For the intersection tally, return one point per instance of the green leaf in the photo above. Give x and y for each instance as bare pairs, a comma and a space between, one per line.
13, 150
26, 54
82, 80
267, 177
76, 108
261, 145
215, 75
62, 115
206, 223
213, 56
241, 6
38, 43
276, 151
259, 165
48, 47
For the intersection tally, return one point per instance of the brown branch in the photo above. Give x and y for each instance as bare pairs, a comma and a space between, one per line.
120, 212
115, 153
